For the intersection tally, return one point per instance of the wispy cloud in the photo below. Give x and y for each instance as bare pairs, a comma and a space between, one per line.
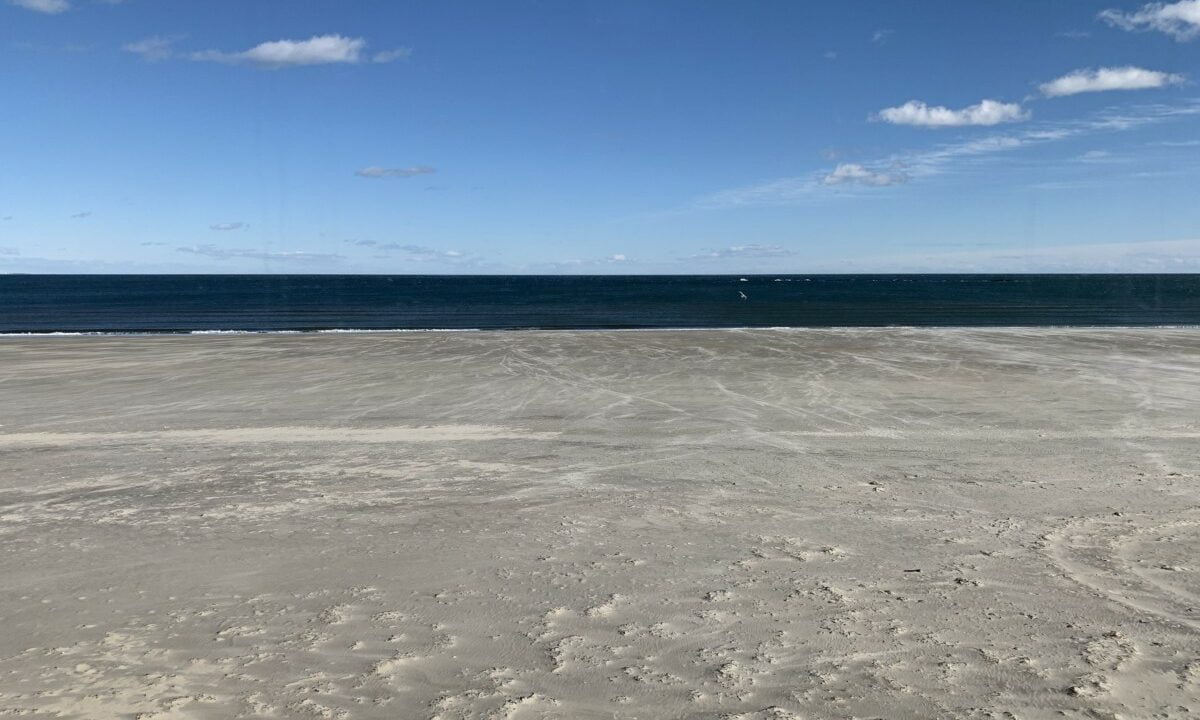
414, 253
608, 263
1180, 20
784, 191
387, 56
433, 257
81, 215
50, 7
986, 112
153, 49
299, 256
852, 173
753, 250
226, 227
1073, 34
1097, 157
317, 50
410, 252
881, 35
1108, 78
919, 164
54, 7
375, 171
9, 251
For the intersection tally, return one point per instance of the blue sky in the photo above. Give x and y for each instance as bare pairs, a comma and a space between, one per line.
598, 137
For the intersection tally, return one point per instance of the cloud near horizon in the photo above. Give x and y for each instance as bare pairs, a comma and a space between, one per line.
986, 112
1180, 20
415, 253
317, 50
1137, 257
212, 251
1108, 78
421, 253
753, 250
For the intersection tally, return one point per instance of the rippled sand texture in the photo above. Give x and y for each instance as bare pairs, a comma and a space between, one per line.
742, 524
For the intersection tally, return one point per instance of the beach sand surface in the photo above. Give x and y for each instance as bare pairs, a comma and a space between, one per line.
761, 525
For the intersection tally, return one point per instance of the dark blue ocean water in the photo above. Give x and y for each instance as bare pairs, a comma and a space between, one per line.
186, 303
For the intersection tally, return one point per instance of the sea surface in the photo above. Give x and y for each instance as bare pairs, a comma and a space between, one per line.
265, 303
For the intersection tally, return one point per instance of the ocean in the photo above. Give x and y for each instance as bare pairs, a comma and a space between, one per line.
272, 303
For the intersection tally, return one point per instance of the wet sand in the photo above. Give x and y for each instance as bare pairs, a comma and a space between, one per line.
744, 524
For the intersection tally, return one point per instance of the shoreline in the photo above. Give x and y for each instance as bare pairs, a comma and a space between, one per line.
754, 328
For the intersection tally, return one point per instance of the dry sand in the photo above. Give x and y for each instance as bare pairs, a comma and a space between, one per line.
742, 524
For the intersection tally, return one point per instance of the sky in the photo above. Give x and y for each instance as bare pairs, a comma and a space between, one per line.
605, 136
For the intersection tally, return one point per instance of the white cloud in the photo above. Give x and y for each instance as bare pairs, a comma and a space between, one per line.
1108, 78
619, 257
225, 227
1180, 20
152, 49
317, 50
852, 173
375, 171
9, 251
881, 35
987, 112
51, 7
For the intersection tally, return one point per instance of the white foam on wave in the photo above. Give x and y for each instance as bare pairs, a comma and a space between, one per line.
59, 333
244, 332
397, 330
159, 333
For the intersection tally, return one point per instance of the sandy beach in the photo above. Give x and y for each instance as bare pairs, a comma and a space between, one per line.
760, 525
